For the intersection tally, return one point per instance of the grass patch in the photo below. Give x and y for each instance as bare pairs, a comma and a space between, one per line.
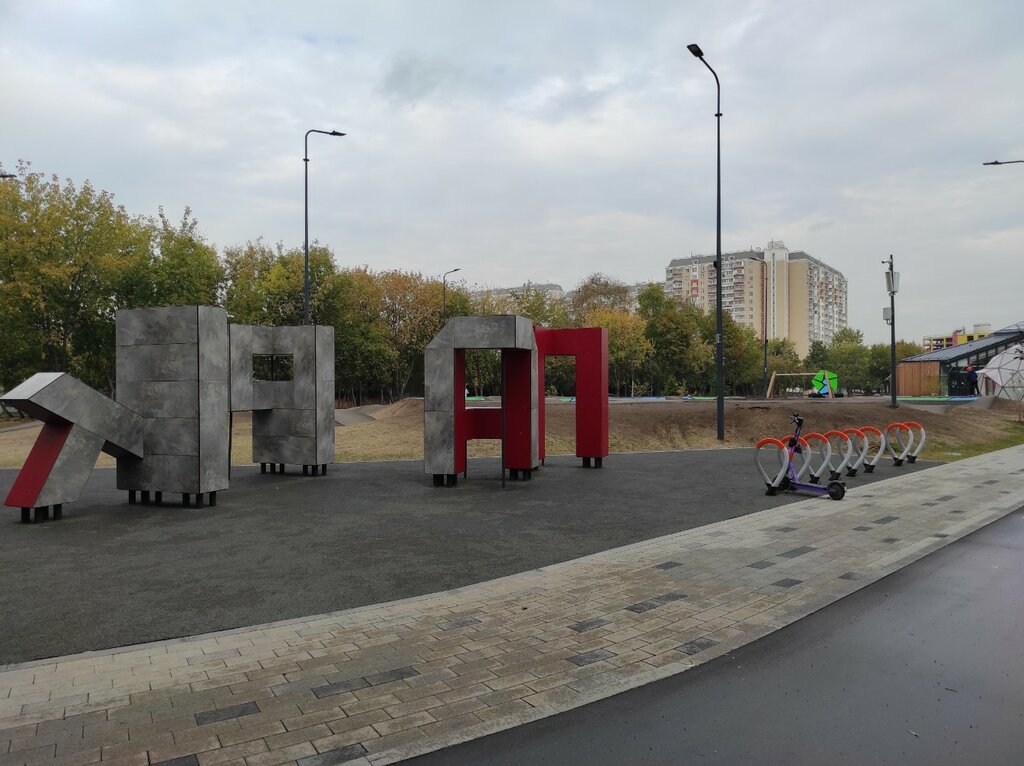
1013, 437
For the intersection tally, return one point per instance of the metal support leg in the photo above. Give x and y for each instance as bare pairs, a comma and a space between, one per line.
598, 462
42, 513
145, 497
213, 498
199, 499
131, 497
280, 467
263, 467
58, 512
586, 462
323, 469
185, 499
26, 515
159, 497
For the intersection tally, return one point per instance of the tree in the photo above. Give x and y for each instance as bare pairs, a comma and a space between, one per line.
185, 269
69, 257
628, 346
598, 291
246, 270
817, 356
681, 357
848, 335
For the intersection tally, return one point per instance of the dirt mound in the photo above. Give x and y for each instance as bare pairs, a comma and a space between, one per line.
395, 432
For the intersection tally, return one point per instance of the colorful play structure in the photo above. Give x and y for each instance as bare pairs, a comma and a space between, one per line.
448, 424
181, 372
800, 462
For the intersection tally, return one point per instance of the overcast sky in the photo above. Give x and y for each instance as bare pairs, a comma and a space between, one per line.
545, 141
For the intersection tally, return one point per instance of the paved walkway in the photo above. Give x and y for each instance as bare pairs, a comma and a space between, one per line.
381, 683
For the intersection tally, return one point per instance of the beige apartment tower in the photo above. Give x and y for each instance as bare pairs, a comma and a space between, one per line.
780, 293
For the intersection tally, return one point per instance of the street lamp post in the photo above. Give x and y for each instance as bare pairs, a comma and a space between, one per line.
305, 284
444, 291
892, 284
719, 360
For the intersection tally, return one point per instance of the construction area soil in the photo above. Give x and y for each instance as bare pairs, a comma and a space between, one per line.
395, 432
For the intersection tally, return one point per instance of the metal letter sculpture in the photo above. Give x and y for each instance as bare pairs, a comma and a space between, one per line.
448, 424
181, 372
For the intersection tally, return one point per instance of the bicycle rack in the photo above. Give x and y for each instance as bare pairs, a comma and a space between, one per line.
919, 439
842, 451
870, 461
824, 452
861, 449
782, 456
898, 439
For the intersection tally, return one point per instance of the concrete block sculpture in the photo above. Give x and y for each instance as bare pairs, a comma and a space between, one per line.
78, 422
519, 423
181, 372
172, 369
290, 393
448, 424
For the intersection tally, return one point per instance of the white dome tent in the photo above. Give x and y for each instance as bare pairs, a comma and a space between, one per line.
1005, 374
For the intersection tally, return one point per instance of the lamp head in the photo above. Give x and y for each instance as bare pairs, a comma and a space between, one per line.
695, 50
7, 175
335, 133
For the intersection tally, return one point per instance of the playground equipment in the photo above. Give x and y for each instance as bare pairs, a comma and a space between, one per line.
792, 456
825, 390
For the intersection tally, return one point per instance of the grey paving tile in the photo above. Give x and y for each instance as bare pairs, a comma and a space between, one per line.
227, 713
585, 625
697, 645
890, 540
643, 606
668, 565
797, 552
787, 582
850, 576
588, 658
862, 529
185, 760
332, 757
886, 520
786, 529
462, 622
668, 598
761, 564
391, 675
331, 690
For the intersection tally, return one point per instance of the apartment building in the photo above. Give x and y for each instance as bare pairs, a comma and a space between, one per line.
780, 293
956, 338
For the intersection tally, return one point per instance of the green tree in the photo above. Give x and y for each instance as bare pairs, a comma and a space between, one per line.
817, 356
847, 335
628, 346
246, 270
185, 269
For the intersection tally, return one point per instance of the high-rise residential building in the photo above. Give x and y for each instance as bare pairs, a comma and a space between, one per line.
780, 293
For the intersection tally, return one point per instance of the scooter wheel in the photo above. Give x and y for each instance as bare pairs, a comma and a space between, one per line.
836, 490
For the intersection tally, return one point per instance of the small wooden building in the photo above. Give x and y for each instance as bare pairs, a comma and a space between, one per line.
928, 374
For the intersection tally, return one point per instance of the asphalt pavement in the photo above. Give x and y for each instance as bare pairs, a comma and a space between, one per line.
282, 546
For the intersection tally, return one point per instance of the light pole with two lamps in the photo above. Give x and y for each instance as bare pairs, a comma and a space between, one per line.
305, 283
719, 359
892, 284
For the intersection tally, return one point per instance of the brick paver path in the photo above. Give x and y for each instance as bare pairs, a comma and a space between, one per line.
381, 683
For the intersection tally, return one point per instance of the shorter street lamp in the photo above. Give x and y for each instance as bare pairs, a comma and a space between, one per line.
444, 291
892, 284
1005, 162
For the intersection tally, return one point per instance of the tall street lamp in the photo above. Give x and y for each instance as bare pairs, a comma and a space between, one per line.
444, 291
719, 360
1004, 162
305, 285
892, 284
